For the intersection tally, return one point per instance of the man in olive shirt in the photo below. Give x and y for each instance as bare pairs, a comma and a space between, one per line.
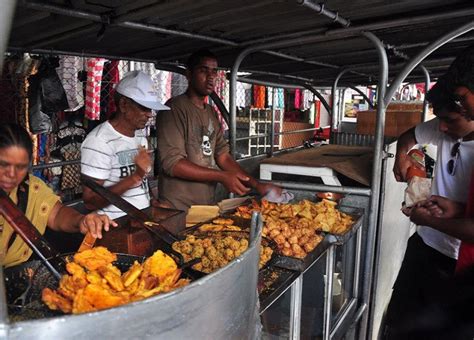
193, 154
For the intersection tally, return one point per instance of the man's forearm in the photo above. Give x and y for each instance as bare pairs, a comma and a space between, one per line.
406, 141
461, 228
227, 163
94, 201
185, 169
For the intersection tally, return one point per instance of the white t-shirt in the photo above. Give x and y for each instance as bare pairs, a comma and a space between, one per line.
108, 155
453, 187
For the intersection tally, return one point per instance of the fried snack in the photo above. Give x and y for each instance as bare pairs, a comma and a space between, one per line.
56, 301
216, 252
219, 227
223, 221
94, 258
91, 287
294, 227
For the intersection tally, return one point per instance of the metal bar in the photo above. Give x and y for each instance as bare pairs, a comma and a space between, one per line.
7, 10
55, 164
295, 131
272, 133
353, 87
324, 187
220, 105
295, 308
426, 104
328, 293
333, 114
3, 308
376, 175
359, 314
343, 317
320, 97
422, 55
319, 8
355, 290
268, 83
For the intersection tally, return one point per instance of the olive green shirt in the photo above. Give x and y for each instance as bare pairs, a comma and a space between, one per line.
187, 132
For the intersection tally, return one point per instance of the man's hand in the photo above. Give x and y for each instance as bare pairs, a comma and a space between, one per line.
236, 182
402, 163
420, 215
444, 207
142, 162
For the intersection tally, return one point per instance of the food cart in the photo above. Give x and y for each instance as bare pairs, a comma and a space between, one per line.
293, 44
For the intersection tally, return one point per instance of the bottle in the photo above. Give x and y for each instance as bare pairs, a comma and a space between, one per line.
418, 168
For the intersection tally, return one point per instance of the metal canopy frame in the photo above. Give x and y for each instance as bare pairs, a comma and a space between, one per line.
270, 46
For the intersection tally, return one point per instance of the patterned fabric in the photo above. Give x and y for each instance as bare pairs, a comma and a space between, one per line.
69, 67
95, 67
41, 200
259, 96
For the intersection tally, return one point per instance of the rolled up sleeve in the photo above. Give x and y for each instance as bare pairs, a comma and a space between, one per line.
171, 138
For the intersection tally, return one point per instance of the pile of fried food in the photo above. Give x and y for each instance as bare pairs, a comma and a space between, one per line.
94, 283
216, 252
293, 227
219, 224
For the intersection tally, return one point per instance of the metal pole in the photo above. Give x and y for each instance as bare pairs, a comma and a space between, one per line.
324, 187
3, 308
328, 293
422, 55
376, 176
295, 308
320, 97
426, 104
333, 96
267, 83
323, 11
220, 105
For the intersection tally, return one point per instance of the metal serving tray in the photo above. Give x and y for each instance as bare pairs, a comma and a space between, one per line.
300, 265
357, 214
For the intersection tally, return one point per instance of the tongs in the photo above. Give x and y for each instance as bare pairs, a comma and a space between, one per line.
28, 232
135, 213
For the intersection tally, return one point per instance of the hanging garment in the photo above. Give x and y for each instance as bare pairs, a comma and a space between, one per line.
280, 98
8, 94
259, 96
46, 96
297, 99
95, 68
240, 95
68, 72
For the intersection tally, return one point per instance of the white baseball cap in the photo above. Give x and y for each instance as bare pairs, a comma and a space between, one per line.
139, 87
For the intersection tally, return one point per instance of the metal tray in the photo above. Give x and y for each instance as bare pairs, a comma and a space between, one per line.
357, 214
301, 265
272, 283
243, 223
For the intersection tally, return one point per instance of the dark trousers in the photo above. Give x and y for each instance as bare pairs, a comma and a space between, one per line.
423, 278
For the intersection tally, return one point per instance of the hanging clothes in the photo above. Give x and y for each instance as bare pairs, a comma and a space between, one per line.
8, 93
297, 103
95, 68
68, 72
259, 96
46, 96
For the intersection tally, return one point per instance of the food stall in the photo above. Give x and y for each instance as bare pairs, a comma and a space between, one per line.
340, 287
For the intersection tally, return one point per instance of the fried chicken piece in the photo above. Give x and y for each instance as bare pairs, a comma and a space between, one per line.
55, 301
132, 274
100, 297
94, 277
114, 280
95, 258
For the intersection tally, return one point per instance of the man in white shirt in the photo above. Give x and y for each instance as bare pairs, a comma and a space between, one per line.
114, 154
431, 255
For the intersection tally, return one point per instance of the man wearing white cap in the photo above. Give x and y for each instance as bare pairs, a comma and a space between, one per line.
114, 153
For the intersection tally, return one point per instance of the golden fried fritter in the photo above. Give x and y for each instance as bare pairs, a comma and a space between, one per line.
95, 258
55, 301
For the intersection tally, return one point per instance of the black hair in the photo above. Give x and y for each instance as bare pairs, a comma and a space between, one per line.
15, 135
195, 58
461, 71
440, 98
